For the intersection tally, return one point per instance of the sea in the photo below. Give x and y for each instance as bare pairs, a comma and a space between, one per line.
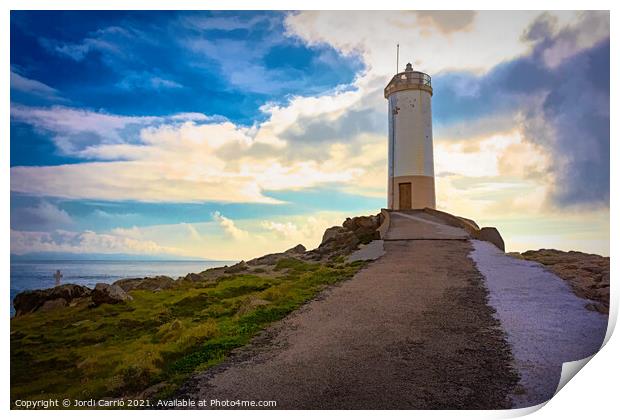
31, 274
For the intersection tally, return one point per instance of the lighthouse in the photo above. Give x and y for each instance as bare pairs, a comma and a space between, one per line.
411, 174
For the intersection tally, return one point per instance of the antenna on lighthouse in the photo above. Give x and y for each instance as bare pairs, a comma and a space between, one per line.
397, 55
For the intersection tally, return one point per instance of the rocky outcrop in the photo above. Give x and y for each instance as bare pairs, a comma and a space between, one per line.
297, 249
237, 268
50, 305
272, 259
109, 293
364, 227
47, 299
154, 284
337, 233
587, 274
68, 295
343, 240
192, 277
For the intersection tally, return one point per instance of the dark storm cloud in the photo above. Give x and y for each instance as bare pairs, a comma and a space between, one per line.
573, 120
576, 112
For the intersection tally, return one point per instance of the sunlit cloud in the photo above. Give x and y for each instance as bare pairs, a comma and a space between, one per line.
229, 227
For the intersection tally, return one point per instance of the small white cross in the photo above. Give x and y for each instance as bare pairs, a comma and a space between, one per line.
58, 276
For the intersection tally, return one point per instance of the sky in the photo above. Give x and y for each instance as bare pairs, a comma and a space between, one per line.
229, 135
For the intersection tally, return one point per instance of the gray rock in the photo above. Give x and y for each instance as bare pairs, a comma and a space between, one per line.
193, 277
342, 240
297, 249
109, 293
332, 233
32, 300
155, 284
53, 304
237, 268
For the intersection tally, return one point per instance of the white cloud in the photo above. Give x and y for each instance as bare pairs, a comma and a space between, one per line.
176, 159
283, 230
74, 129
109, 41
229, 227
83, 242
146, 80
486, 39
34, 87
308, 231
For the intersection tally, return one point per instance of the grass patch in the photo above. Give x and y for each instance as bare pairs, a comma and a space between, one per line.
119, 350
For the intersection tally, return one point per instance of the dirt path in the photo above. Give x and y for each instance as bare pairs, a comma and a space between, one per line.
411, 331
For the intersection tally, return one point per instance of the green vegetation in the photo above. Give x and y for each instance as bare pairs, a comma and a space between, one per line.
159, 337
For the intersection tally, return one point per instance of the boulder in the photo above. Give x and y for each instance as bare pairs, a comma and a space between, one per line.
237, 268
109, 293
50, 305
490, 234
154, 284
193, 277
368, 223
33, 300
338, 241
365, 227
297, 249
332, 233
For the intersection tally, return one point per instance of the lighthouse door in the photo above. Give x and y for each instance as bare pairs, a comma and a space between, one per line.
404, 196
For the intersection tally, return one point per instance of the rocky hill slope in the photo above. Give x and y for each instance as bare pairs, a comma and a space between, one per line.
587, 274
338, 241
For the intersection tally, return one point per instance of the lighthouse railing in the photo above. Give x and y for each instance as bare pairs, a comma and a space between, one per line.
409, 79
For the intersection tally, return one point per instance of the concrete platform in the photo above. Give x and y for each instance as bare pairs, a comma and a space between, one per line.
417, 225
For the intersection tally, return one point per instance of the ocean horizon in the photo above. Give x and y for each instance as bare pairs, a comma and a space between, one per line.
39, 274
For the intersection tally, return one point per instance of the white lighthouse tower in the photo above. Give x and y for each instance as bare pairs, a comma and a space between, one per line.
411, 174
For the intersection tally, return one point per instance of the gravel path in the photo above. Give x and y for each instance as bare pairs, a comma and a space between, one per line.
545, 322
411, 331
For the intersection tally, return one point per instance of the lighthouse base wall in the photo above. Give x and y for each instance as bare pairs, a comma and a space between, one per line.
411, 192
